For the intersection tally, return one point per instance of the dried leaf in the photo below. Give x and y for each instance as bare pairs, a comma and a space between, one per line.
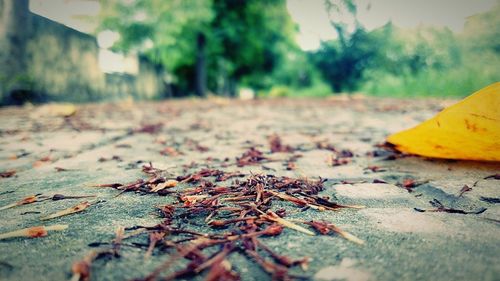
163, 185
7, 174
495, 177
33, 232
324, 228
250, 157
75, 209
270, 215
468, 130
27, 200
464, 189
277, 146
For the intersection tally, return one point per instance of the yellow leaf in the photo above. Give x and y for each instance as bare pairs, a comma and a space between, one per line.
468, 130
56, 110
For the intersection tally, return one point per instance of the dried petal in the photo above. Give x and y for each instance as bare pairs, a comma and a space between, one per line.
75, 209
32, 232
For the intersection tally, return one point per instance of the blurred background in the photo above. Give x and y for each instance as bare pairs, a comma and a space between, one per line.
87, 50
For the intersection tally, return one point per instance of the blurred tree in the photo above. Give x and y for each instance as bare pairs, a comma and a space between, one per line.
170, 33
358, 58
409, 53
249, 39
239, 41
482, 32
343, 61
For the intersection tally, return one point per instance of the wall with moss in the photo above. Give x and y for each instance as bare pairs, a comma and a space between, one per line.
63, 62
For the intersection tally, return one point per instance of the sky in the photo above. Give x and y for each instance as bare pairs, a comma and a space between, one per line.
310, 15
314, 23
68, 12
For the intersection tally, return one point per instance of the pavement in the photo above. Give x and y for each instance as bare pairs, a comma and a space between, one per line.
338, 139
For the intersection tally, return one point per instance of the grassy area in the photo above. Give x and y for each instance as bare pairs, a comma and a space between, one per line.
456, 82
461, 81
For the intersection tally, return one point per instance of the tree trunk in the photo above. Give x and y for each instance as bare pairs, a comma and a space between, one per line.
232, 87
201, 66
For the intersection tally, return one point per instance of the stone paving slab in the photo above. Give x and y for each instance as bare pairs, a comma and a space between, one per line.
110, 143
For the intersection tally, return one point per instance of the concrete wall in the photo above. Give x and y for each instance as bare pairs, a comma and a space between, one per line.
41, 60
63, 62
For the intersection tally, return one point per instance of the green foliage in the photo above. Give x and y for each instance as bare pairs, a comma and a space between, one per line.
170, 27
316, 90
343, 64
245, 40
426, 61
249, 39
251, 43
436, 62
482, 32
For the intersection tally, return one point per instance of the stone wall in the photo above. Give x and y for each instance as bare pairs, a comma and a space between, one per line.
41, 60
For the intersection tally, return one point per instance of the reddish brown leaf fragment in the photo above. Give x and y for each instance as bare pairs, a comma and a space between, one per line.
196, 146
75, 209
220, 223
273, 230
321, 227
464, 189
220, 175
345, 153
114, 157
278, 272
325, 228
336, 160
220, 256
277, 146
170, 151
42, 161
150, 128
123, 145
112, 185
409, 184
59, 169
57, 197
250, 157
281, 259
325, 145
495, 177
26, 200
37, 231
375, 169
273, 217
154, 237
299, 202
221, 271
8, 173
32, 232
164, 185
225, 176
81, 268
